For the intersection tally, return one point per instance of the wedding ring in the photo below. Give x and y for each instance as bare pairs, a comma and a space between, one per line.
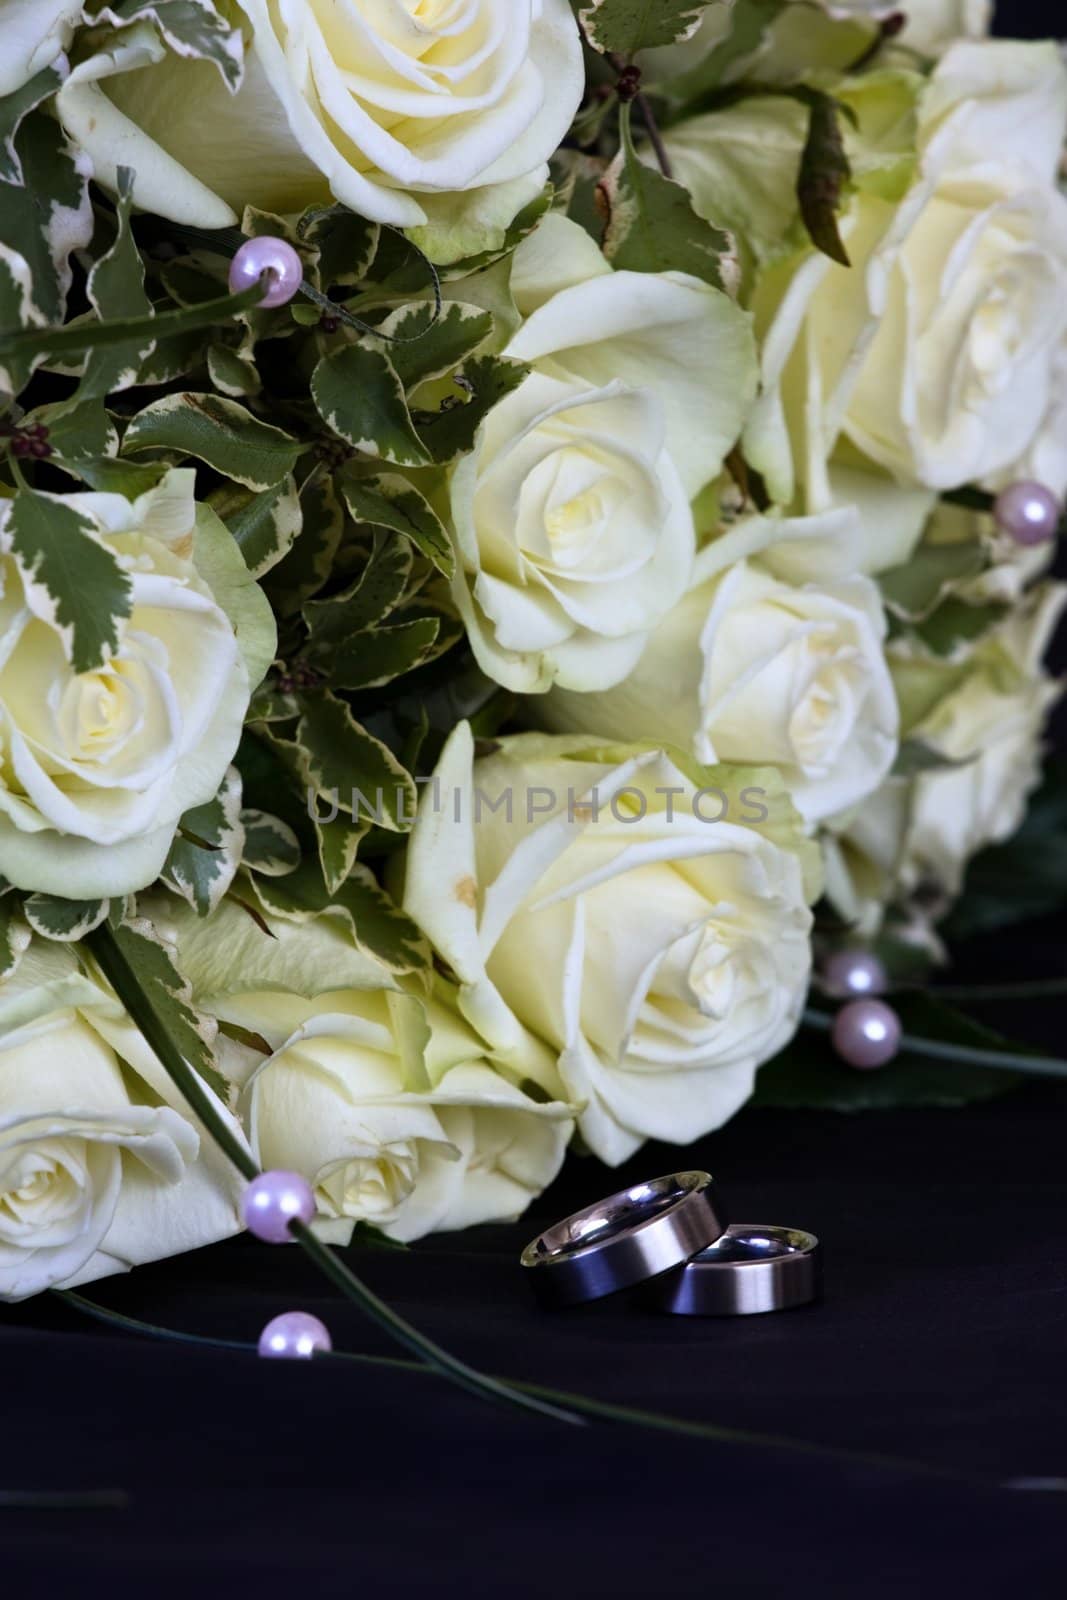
750, 1269
633, 1235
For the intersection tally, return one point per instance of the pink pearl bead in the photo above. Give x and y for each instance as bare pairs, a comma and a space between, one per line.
275, 1199
275, 257
854, 972
866, 1033
1028, 513
294, 1336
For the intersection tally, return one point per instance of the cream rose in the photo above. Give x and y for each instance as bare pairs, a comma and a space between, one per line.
940, 355
388, 1103
572, 521
99, 766
399, 108
591, 897
757, 666
32, 34
102, 1164
985, 721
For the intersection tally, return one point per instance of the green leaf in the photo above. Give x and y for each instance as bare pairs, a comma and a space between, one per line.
73, 581
808, 1074
377, 590
652, 226
482, 382
65, 343
360, 397
168, 994
376, 923
914, 590
271, 846
265, 525
193, 29
231, 373
825, 172
15, 108
347, 766
309, 563
750, 22
427, 346
207, 849
116, 289
14, 934
64, 921
219, 432
346, 244
78, 430
42, 221
381, 654
955, 622
390, 501
625, 26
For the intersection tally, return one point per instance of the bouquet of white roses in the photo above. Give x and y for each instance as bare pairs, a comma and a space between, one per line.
518, 524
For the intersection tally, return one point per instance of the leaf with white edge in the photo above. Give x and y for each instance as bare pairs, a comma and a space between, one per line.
915, 589
64, 921
309, 563
14, 934
346, 244
482, 382
338, 841
72, 580
428, 346
374, 594
219, 432
652, 226
379, 655
152, 964
193, 29
231, 373
271, 846
360, 397
115, 288
265, 525
624, 26
42, 221
222, 566
376, 923
207, 849
78, 430
15, 108
346, 765
390, 501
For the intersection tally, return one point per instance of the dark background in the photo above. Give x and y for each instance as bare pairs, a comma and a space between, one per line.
940, 1348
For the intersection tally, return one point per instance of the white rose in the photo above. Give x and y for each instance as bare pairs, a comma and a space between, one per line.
941, 354
589, 896
757, 666
394, 106
388, 1103
919, 833
32, 34
98, 767
102, 1164
573, 529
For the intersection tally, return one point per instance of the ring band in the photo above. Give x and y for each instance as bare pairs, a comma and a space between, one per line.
751, 1269
624, 1240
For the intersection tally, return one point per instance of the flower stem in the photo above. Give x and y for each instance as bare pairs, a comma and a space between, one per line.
967, 1055
124, 981
80, 337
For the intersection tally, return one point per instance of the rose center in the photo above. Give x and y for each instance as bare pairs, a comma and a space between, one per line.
100, 710
369, 1187
45, 1187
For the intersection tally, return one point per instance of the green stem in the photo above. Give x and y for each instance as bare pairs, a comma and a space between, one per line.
603, 1410
941, 1050
81, 337
124, 981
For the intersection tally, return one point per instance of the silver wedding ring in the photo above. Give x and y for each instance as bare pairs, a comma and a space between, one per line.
632, 1236
750, 1269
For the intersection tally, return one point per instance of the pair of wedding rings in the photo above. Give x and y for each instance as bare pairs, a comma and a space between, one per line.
669, 1238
